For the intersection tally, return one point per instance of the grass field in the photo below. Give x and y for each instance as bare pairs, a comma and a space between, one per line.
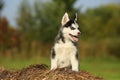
107, 68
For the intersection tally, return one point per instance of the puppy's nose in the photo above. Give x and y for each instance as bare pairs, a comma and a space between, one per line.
79, 33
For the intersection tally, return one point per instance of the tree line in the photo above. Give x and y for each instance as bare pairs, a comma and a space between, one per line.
40, 22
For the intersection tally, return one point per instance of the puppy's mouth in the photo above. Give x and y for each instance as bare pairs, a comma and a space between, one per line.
74, 37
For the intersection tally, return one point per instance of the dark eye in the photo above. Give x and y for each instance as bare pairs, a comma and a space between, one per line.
72, 28
78, 28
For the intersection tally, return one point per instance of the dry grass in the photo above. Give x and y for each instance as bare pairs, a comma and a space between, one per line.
41, 72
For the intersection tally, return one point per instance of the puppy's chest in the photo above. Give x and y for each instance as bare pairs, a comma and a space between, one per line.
65, 49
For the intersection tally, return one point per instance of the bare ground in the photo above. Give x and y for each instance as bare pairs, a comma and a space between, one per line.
42, 72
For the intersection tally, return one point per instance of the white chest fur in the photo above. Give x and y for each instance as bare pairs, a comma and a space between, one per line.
65, 48
64, 53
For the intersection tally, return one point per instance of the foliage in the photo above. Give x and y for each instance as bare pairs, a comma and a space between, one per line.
39, 20
9, 37
105, 22
114, 47
104, 28
39, 24
1, 5
26, 21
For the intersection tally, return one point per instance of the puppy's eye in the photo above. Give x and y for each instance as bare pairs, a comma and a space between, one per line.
72, 28
78, 28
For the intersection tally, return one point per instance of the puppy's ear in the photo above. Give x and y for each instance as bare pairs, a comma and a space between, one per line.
75, 18
65, 19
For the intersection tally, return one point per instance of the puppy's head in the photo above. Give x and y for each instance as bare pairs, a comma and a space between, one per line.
70, 28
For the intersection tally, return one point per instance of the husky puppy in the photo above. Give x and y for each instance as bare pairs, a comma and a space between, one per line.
64, 52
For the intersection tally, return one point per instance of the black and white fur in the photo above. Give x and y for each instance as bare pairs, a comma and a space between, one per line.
64, 52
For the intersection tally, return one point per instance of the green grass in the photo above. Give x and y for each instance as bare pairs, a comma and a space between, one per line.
107, 68
20, 63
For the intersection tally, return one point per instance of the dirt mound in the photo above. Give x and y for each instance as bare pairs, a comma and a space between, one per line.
41, 72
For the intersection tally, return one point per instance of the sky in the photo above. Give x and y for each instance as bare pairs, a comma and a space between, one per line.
10, 10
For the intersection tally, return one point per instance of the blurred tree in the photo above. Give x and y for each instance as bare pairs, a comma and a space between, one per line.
50, 16
9, 37
68, 6
26, 23
104, 23
41, 21
4, 37
38, 21
1, 6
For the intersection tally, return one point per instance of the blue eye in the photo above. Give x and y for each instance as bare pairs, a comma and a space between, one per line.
72, 28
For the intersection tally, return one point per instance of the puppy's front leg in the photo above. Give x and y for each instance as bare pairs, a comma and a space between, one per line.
53, 59
53, 64
75, 62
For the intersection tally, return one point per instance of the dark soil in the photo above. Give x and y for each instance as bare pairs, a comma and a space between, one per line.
42, 72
